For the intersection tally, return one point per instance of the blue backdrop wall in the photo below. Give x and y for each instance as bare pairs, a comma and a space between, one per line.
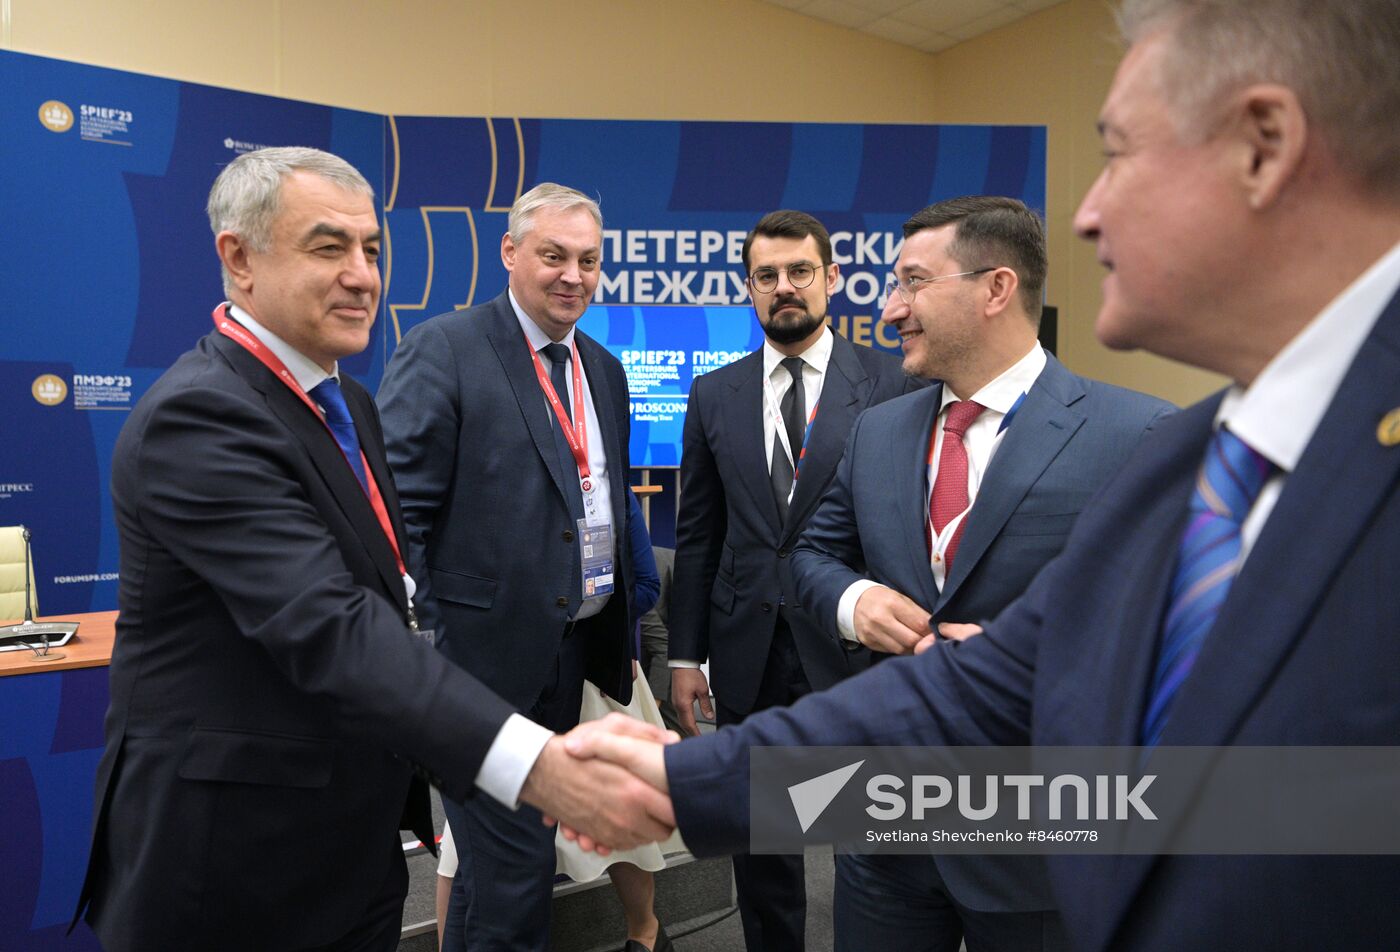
110, 273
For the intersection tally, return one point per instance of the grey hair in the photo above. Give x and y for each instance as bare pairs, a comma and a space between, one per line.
246, 195
547, 195
1340, 57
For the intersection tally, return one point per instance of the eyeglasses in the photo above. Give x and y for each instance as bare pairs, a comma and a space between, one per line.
909, 287
799, 275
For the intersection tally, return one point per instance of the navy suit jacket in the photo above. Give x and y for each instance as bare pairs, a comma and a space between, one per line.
1304, 652
1067, 438
731, 541
491, 509
267, 696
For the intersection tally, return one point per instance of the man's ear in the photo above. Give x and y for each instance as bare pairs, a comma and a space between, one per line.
1272, 132
233, 253
508, 251
1002, 285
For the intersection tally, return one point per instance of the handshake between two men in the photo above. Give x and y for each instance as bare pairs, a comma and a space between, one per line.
605, 783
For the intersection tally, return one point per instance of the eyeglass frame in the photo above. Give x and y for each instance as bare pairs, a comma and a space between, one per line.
784, 271
912, 285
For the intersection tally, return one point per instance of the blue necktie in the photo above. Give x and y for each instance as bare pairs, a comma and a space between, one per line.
1207, 561
332, 402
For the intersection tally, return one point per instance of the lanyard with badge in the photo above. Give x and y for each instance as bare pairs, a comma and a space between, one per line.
239, 335
595, 534
770, 402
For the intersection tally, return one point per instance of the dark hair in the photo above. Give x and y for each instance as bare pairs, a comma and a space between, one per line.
787, 223
993, 231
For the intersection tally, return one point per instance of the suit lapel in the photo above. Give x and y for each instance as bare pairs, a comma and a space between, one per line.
845, 393
513, 351
325, 455
742, 416
1042, 426
372, 446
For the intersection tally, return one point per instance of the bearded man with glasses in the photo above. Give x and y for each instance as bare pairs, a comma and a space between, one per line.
762, 438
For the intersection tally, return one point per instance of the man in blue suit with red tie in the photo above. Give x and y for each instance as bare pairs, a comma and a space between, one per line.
946, 504
1249, 219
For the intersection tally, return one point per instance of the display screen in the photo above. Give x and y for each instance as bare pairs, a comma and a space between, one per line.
664, 348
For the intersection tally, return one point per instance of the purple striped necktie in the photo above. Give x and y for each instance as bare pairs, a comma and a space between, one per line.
1207, 561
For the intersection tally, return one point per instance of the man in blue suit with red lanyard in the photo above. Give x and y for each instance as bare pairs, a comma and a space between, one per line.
1249, 219
507, 432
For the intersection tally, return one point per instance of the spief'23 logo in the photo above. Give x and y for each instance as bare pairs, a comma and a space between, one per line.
56, 116
48, 389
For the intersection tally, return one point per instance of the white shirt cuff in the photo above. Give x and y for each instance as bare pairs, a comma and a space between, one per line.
511, 758
846, 608
682, 664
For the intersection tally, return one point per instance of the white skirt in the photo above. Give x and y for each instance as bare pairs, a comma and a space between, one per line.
584, 867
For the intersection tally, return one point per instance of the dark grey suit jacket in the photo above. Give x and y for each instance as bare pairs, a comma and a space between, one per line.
490, 508
267, 695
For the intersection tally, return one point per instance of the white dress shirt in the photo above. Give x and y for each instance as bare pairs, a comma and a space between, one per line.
981, 440
814, 363
1279, 412
307, 373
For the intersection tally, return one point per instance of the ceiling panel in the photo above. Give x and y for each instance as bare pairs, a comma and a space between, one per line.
928, 25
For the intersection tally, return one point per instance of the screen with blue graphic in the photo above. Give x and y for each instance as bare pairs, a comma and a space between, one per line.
663, 349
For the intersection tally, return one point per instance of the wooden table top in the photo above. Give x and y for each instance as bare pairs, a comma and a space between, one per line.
91, 647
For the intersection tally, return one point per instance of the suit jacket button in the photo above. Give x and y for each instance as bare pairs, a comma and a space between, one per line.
782, 553
766, 607
562, 601
568, 535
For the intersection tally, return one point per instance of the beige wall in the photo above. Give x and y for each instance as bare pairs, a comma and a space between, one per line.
1054, 68
641, 59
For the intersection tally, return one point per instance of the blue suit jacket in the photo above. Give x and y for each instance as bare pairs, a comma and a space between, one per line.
1304, 652
730, 538
1067, 438
490, 508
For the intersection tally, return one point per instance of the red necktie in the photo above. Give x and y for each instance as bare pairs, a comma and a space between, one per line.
950, 486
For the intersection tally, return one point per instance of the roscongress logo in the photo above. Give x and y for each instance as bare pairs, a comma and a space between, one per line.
56, 116
49, 390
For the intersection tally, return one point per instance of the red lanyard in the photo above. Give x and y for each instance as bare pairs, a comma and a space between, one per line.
239, 335
576, 433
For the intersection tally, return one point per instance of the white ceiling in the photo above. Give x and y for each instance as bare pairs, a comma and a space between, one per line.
928, 25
